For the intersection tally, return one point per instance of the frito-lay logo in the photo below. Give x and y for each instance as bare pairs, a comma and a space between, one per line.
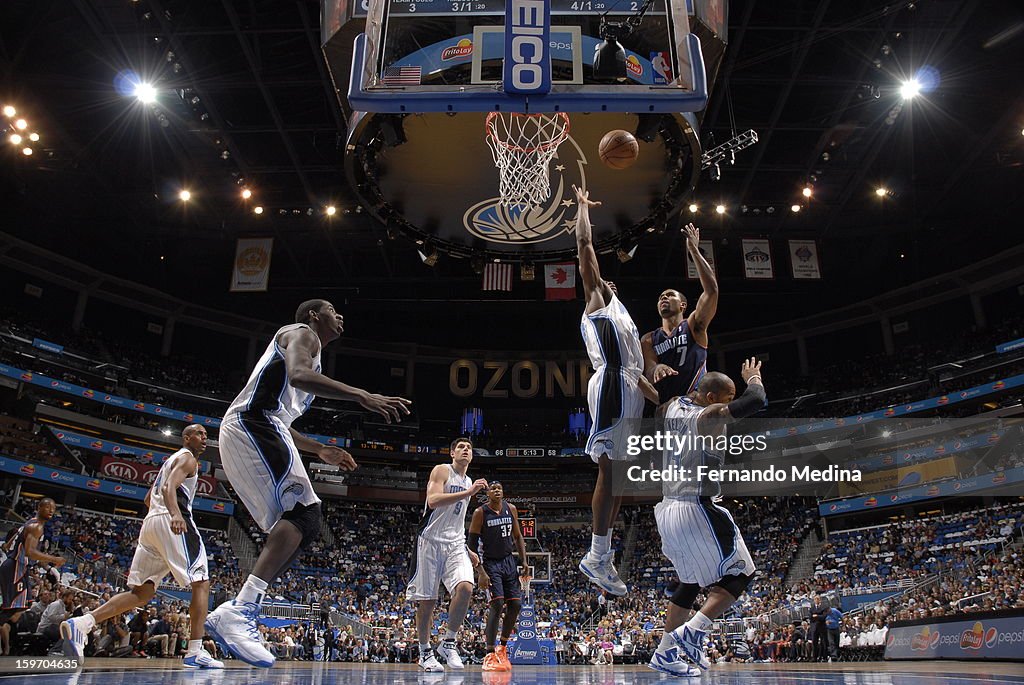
973, 638
463, 49
925, 640
633, 66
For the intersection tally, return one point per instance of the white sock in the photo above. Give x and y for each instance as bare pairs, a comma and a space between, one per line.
600, 544
88, 622
666, 641
253, 590
700, 622
450, 636
194, 646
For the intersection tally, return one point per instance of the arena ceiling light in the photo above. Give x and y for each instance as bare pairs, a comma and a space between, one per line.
246, 193
9, 111
795, 209
16, 139
34, 137
693, 208
257, 210
145, 93
807, 192
27, 151
331, 210
720, 209
185, 195
881, 191
21, 124
910, 89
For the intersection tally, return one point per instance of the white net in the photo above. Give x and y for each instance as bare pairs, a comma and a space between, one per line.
522, 146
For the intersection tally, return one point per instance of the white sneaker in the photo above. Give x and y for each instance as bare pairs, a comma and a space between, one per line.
201, 659
431, 664
74, 639
669, 662
691, 645
601, 572
234, 627
451, 655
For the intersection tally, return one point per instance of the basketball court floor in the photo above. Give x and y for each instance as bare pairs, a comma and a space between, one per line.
166, 672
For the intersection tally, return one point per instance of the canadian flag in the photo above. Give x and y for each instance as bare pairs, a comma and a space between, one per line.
560, 281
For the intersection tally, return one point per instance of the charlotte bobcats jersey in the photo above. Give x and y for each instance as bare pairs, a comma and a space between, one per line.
496, 536
185, 493
269, 390
681, 420
612, 339
14, 546
447, 524
680, 351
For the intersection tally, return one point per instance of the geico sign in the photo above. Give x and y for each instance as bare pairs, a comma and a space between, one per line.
527, 51
523, 378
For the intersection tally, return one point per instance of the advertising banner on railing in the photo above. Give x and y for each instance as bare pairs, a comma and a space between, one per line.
949, 488
980, 637
927, 453
89, 442
49, 474
123, 469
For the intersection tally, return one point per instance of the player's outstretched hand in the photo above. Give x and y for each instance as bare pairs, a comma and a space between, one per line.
178, 524
583, 198
337, 456
751, 369
692, 234
479, 485
60, 562
663, 371
391, 408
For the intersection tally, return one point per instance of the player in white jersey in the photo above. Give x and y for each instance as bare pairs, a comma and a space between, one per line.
442, 556
169, 542
615, 394
260, 453
698, 536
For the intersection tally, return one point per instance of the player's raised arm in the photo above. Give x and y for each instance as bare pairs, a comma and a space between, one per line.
300, 348
707, 304
595, 291
750, 402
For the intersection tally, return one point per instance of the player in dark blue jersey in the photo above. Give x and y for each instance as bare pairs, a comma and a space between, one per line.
494, 531
22, 548
675, 355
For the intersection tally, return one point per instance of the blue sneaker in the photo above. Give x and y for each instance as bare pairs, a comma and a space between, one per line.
669, 662
691, 644
234, 627
601, 572
201, 659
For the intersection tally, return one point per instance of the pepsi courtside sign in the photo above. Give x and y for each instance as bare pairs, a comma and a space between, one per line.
527, 47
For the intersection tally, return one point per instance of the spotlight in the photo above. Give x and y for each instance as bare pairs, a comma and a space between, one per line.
145, 93
246, 193
16, 139
720, 209
716, 172
477, 263
166, 431
21, 124
910, 89
881, 191
332, 210
693, 208
428, 255
795, 209
625, 254
807, 192
184, 196
257, 210
9, 111
27, 151
34, 137
610, 58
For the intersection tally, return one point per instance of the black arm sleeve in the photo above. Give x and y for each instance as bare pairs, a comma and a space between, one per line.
474, 542
750, 402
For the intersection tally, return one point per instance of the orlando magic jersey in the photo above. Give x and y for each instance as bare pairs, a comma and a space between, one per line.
268, 389
681, 352
496, 536
447, 524
681, 420
612, 339
185, 493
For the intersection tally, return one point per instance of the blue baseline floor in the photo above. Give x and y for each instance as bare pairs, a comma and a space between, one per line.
165, 672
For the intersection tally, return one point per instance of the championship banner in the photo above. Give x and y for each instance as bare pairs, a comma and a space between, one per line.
707, 249
803, 256
251, 271
48, 474
757, 259
147, 473
991, 635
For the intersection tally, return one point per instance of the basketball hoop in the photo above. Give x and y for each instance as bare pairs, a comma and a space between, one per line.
522, 146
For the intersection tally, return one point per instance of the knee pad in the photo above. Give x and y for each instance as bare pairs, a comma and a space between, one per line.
308, 518
735, 585
685, 594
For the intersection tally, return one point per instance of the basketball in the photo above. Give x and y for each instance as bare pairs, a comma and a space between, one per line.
618, 149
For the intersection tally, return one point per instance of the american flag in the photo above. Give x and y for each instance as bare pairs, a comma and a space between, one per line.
498, 277
401, 76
